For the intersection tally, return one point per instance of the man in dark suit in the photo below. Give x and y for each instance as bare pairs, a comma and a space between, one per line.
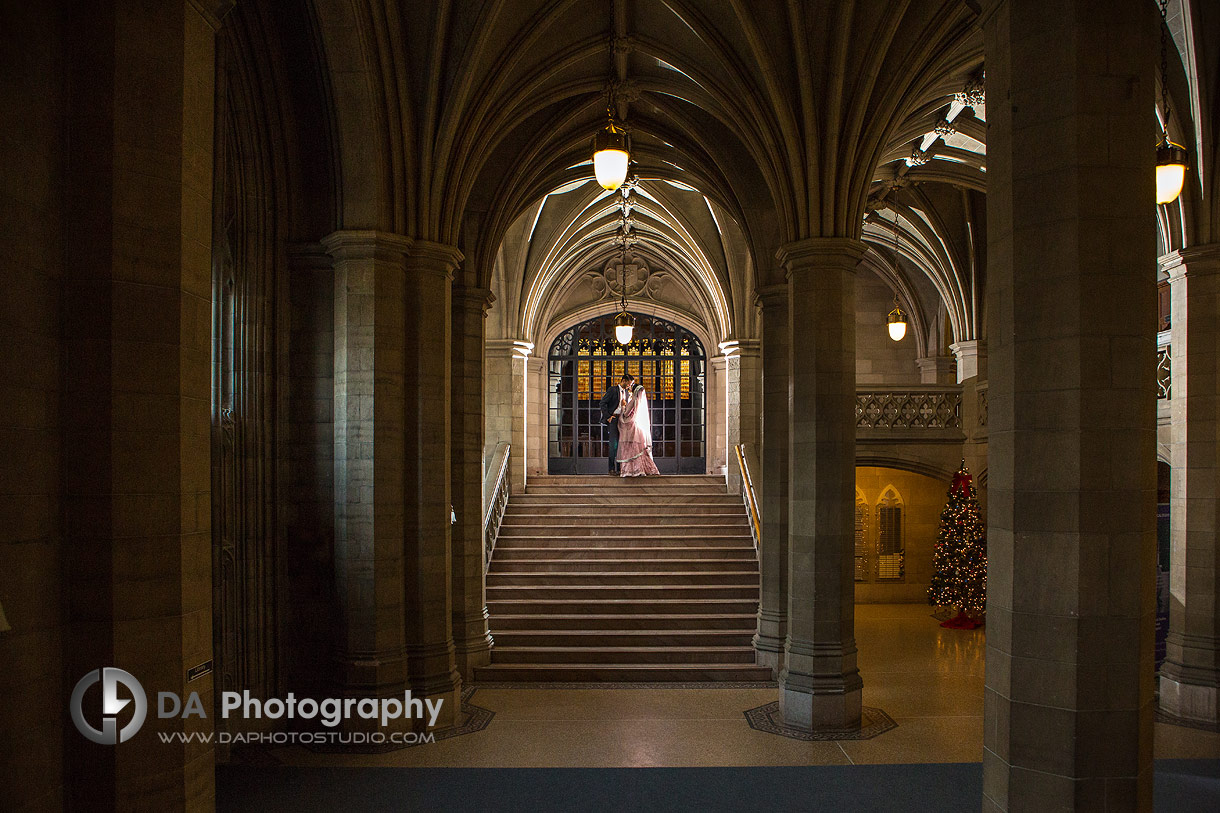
612, 405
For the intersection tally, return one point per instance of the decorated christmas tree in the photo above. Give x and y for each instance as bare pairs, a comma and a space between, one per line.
960, 556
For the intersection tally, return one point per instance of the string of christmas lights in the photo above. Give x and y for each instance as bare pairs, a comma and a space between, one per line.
960, 556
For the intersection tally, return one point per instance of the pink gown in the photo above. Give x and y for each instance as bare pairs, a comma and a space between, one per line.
635, 439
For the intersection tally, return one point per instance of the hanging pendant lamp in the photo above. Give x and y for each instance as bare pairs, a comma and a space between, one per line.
1171, 158
624, 323
610, 155
896, 322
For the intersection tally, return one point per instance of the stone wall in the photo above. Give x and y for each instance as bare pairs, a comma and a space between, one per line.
879, 359
31, 206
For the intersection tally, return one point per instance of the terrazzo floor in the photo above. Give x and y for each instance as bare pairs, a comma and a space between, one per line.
928, 679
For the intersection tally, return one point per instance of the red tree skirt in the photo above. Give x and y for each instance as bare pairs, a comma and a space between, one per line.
961, 621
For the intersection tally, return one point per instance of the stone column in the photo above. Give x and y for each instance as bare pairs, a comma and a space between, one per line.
427, 565
773, 549
369, 280
1191, 672
718, 418
134, 394
533, 444
749, 401
498, 396
937, 369
820, 685
1072, 406
471, 639
741, 416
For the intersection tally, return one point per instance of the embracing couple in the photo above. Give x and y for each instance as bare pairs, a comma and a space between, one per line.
625, 409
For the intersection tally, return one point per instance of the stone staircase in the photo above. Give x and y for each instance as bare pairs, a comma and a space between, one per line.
670, 594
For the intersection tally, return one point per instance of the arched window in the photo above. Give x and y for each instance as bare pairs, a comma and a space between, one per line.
861, 537
891, 545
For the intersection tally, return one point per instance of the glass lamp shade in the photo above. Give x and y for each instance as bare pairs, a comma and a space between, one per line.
624, 327
610, 157
897, 324
1170, 171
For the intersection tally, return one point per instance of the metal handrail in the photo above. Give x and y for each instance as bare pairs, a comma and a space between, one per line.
747, 487
495, 506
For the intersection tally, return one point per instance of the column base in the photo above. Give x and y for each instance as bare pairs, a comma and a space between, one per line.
769, 642
472, 652
806, 711
433, 675
1190, 702
769, 652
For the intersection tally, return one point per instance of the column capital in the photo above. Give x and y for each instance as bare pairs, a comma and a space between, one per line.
1193, 261
437, 257
772, 296
842, 253
366, 244
472, 298
968, 354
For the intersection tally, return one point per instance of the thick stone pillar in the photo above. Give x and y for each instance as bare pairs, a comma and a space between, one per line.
369, 273
426, 480
1072, 406
471, 640
820, 686
134, 393
392, 486
773, 549
1190, 676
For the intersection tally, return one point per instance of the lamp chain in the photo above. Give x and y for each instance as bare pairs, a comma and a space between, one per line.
1165, 63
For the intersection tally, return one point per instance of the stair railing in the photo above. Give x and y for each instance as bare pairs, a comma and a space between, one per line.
747, 495
496, 502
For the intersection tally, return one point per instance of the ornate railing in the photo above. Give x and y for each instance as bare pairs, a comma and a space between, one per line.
909, 409
496, 502
1164, 367
747, 494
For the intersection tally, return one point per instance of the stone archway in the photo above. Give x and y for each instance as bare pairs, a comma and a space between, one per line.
585, 360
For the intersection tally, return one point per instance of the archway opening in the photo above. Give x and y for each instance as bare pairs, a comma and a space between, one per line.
585, 360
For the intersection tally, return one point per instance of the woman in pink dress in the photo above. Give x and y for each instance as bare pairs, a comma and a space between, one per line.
635, 437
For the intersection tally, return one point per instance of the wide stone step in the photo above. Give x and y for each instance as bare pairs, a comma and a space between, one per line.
635, 490
585, 566
508, 622
701, 540
615, 592
588, 498
635, 508
645, 531
675, 480
737, 578
523, 553
608, 673
622, 655
606, 520
622, 606
624, 638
